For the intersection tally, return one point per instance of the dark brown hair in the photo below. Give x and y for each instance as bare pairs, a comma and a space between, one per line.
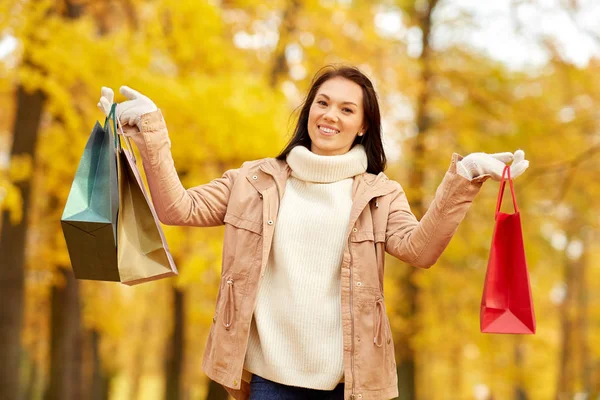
371, 139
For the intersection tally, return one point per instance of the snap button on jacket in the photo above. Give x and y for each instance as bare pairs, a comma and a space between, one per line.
246, 201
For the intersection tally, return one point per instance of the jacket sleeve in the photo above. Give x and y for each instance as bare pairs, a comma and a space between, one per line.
420, 243
203, 205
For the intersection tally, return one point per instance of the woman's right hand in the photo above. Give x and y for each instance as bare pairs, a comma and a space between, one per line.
129, 112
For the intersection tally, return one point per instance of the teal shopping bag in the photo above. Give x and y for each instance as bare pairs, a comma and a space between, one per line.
89, 220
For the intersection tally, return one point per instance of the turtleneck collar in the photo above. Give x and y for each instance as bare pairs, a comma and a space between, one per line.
311, 167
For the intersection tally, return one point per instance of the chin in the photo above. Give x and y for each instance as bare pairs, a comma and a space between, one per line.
327, 149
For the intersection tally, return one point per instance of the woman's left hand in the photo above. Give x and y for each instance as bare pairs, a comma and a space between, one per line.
476, 164
129, 112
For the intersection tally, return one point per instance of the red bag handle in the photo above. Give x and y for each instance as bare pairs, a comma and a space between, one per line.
501, 193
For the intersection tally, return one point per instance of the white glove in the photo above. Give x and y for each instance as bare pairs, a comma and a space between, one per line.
476, 164
129, 112
107, 97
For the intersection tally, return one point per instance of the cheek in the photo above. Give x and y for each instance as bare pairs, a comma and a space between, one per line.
313, 114
358, 122
353, 124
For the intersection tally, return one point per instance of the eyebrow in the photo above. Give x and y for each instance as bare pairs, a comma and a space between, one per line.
345, 102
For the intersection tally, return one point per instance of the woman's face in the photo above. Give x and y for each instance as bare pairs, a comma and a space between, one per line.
335, 117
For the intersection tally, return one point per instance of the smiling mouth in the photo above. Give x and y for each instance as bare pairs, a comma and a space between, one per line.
327, 131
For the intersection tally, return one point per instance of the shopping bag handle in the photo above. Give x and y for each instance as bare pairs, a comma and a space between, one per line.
117, 123
111, 117
506, 173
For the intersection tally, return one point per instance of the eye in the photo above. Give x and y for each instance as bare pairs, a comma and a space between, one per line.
346, 109
322, 102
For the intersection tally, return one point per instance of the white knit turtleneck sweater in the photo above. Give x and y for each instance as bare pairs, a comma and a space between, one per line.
296, 333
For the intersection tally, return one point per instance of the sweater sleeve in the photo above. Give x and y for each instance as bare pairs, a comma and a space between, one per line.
203, 205
420, 243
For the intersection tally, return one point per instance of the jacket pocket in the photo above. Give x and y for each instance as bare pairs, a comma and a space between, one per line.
367, 236
242, 223
374, 345
242, 245
222, 344
368, 256
232, 292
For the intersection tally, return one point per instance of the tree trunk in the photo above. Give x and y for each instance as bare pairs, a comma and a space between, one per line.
30, 388
566, 376
288, 27
136, 376
595, 392
216, 391
12, 245
407, 361
564, 373
65, 341
583, 314
519, 390
174, 356
13, 236
456, 376
100, 386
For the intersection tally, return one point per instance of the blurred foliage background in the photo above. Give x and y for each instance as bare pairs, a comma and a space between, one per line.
452, 76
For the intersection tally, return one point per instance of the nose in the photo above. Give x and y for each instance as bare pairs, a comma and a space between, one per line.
330, 115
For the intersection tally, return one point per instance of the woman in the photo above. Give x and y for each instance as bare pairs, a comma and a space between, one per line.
300, 311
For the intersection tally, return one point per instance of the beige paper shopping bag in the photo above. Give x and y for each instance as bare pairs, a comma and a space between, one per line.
142, 251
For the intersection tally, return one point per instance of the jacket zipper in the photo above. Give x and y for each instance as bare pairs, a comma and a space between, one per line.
352, 396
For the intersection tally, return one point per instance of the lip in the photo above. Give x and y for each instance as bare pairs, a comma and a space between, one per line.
327, 133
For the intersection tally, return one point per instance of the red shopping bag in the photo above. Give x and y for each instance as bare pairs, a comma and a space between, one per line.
506, 304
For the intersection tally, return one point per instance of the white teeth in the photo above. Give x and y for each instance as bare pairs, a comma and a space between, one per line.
328, 130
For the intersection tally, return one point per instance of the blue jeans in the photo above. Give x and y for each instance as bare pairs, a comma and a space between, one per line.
264, 389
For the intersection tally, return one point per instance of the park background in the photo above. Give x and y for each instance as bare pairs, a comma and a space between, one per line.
452, 76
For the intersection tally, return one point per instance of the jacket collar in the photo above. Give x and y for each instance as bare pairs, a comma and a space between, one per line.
279, 170
268, 173
364, 184
370, 184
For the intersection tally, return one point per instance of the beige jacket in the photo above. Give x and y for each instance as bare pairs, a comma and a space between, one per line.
246, 201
